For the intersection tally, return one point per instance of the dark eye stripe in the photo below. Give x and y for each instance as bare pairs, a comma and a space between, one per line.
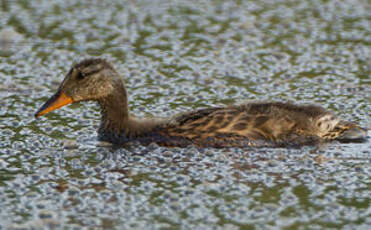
80, 75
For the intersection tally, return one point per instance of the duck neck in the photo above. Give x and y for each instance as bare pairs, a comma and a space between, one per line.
116, 121
114, 110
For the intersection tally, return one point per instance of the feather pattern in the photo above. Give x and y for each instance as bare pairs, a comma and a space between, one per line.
257, 124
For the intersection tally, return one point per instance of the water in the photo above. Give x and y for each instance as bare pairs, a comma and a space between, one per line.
177, 56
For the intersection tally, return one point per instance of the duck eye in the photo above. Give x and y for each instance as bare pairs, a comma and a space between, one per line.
80, 76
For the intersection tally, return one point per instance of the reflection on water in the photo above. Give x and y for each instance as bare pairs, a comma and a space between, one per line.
176, 56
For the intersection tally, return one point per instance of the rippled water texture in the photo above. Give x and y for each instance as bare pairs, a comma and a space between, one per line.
176, 56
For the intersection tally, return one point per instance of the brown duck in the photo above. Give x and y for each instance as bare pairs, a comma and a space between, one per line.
259, 124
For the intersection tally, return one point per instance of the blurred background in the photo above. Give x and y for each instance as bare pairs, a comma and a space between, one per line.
175, 56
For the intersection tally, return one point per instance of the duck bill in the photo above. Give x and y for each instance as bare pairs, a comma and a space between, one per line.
56, 101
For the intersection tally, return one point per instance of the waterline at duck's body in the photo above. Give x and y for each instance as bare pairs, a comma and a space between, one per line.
258, 124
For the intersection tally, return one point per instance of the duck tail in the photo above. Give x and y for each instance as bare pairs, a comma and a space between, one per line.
351, 132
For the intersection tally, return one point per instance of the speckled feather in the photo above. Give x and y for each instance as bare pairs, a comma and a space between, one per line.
258, 124
271, 124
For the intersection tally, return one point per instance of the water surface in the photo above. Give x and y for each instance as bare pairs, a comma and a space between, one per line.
176, 56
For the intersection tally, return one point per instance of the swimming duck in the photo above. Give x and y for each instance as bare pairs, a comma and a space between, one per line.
259, 124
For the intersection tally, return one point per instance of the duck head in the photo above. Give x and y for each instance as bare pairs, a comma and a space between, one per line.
91, 79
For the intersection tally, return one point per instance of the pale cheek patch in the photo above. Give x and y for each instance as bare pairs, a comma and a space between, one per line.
105, 89
99, 89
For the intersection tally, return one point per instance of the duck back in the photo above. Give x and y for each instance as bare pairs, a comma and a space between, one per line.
259, 124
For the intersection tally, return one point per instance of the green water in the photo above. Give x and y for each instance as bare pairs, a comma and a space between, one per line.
176, 56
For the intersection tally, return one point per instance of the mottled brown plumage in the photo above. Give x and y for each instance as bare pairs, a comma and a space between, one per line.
271, 124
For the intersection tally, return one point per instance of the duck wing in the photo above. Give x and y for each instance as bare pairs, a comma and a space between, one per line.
259, 125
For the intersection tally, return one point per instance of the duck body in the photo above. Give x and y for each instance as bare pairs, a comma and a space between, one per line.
258, 124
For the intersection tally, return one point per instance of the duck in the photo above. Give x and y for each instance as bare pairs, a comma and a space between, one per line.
255, 124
